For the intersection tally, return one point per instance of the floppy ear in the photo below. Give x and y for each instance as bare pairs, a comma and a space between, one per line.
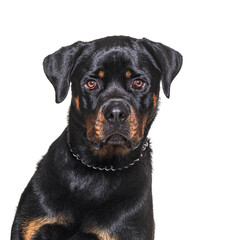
168, 61
58, 67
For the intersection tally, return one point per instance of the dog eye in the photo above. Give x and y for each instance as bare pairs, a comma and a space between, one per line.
91, 85
138, 84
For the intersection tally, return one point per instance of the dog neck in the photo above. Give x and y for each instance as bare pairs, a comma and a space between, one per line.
83, 155
111, 167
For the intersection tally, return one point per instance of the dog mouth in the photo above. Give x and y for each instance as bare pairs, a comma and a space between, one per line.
116, 139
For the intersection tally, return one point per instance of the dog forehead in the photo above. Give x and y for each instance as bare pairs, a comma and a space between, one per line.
114, 50
113, 55
116, 56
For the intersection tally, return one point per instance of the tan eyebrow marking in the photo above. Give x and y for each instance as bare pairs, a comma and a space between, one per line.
128, 74
101, 74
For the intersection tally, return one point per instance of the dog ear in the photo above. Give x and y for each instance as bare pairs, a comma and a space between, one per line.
168, 61
58, 68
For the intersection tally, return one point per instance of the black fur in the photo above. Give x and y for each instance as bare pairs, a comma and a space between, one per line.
67, 200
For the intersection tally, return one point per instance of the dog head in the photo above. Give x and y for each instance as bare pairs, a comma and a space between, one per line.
115, 87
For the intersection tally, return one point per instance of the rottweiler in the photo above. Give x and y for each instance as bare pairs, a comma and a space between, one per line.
95, 181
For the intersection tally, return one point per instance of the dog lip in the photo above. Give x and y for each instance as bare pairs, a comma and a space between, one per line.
116, 139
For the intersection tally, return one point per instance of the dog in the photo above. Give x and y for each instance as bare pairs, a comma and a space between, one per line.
95, 181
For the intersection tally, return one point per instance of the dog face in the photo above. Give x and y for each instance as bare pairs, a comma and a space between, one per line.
115, 87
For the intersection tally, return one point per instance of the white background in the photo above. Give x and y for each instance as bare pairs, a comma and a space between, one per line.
195, 137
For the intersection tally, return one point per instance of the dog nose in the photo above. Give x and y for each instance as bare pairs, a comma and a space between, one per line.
116, 112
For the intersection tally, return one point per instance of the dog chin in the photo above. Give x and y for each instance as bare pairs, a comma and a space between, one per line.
116, 140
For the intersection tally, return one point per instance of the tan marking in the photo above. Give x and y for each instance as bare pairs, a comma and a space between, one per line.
105, 151
128, 74
122, 150
133, 123
144, 122
89, 122
94, 126
31, 227
103, 234
155, 98
101, 74
99, 124
76, 99
108, 151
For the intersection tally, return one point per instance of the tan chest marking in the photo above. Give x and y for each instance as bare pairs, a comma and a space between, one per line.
30, 227
102, 235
